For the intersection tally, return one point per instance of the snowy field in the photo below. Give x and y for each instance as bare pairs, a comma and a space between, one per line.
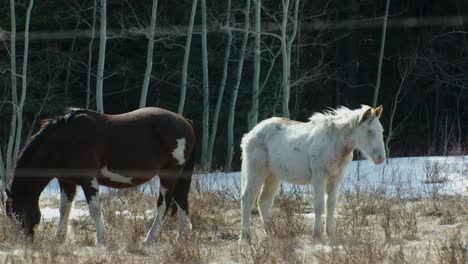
414, 177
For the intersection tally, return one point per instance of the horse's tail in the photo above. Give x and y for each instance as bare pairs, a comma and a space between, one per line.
182, 187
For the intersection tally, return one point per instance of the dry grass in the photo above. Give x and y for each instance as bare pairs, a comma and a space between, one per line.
371, 227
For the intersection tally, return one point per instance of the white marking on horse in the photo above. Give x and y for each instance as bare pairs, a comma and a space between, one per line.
113, 176
178, 152
184, 220
155, 231
94, 206
95, 184
64, 209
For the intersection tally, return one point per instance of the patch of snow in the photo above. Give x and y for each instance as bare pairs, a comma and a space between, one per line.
49, 214
408, 177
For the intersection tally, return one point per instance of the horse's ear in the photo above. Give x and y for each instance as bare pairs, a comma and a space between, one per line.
366, 115
44, 122
378, 110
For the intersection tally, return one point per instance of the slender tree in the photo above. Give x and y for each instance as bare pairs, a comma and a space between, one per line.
149, 55
188, 43
206, 91
286, 44
253, 114
285, 73
102, 57
381, 53
90, 56
14, 96
24, 81
405, 71
235, 90
222, 85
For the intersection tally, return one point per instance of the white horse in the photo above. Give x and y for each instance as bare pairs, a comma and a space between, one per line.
316, 152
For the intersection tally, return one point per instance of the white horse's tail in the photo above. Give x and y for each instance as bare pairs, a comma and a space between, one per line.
254, 155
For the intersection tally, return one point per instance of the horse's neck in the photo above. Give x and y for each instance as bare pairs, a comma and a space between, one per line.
344, 144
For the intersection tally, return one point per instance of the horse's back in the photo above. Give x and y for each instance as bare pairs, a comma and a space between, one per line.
133, 147
281, 144
276, 129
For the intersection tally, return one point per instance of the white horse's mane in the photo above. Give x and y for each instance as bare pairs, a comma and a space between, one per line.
339, 118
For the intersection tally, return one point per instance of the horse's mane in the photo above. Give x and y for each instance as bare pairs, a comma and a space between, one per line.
46, 126
340, 117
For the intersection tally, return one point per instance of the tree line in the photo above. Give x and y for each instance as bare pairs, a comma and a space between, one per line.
227, 65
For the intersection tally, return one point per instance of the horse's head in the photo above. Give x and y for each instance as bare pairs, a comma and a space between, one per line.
25, 210
369, 135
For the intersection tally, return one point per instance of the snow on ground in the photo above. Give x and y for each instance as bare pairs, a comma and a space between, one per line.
49, 213
408, 177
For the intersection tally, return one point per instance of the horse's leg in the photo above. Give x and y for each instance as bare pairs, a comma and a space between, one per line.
181, 192
91, 191
166, 188
67, 194
331, 203
265, 200
319, 189
253, 176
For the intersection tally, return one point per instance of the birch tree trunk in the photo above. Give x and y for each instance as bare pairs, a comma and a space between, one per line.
382, 49
102, 58
253, 114
286, 46
14, 97
222, 85
149, 55
206, 106
90, 57
3, 178
188, 43
235, 90
24, 80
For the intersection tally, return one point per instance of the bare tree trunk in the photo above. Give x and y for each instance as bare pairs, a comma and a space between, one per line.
206, 90
382, 49
149, 55
227, 53
3, 175
188, 43
289, 46
102, 58
253, 114
14, 97
396, 100
90, 58
24, 80
232, 106
459, 118
284, 48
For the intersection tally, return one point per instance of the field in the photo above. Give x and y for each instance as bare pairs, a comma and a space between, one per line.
407, 211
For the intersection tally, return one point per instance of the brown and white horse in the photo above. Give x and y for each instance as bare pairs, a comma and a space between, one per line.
89, 149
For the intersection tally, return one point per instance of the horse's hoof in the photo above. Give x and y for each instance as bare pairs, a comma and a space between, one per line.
100, 244
245, 239
59, 239
149, 242
243, 242
318, 236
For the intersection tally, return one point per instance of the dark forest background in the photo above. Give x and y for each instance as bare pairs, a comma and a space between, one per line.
334, 62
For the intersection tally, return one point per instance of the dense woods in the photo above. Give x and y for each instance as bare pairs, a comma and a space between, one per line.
229, 64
